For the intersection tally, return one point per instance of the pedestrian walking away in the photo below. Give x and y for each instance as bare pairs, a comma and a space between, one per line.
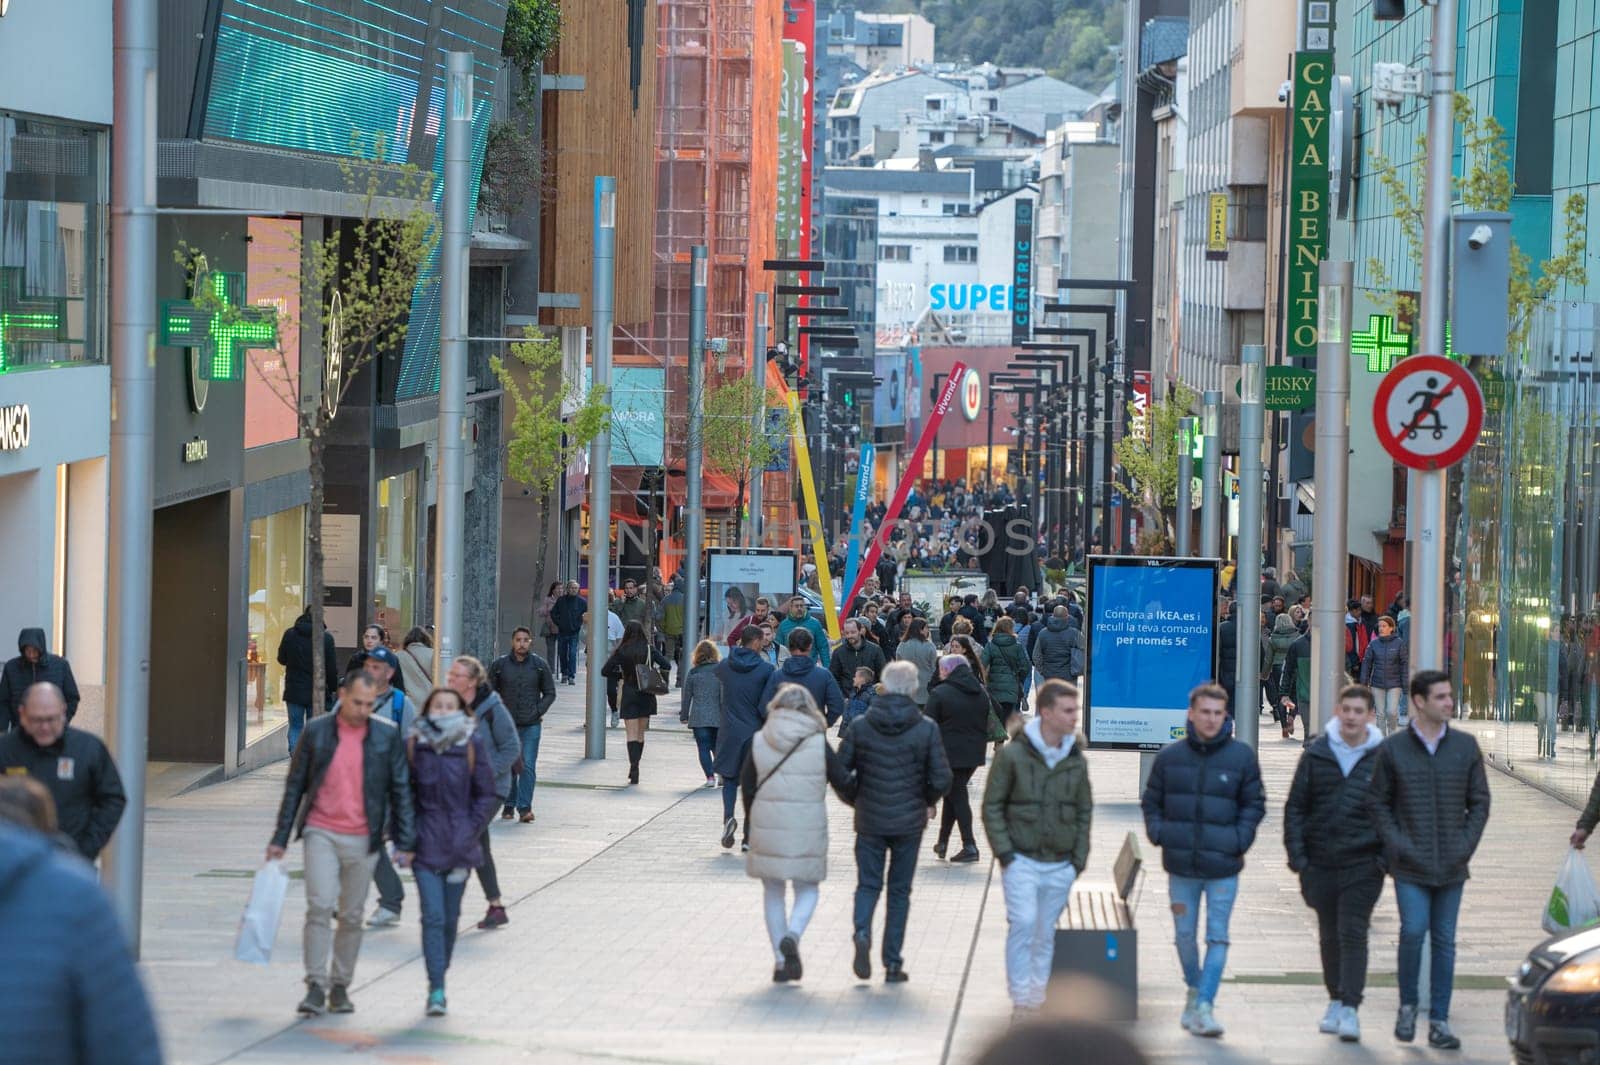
801, 668
73, 765
396, 707
346, 776
637, 705
1385, 668
744, 675
1430, 801
546, 623
1006, 663
1037, 809
416, 661
901, 773
34, 664
785, 781
468, 679
452, 780
1202, 806
525, 684
701, 707
1058, 651
300, 695
1333, 846
960, 707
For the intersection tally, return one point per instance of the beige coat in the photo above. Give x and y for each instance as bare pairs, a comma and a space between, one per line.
789, 815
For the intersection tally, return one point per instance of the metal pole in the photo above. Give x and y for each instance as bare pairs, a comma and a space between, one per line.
1425, 519
1109, 419
133, 379
1211, 476
758, 368
603, 279
450, 504
1330, 560
1247, 584
1185, 489
1086, 476
695, 538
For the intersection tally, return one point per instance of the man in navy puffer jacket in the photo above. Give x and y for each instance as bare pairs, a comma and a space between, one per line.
1202, 807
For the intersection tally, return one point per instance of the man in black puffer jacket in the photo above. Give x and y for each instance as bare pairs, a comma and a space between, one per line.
1202, 807
1333, 844
1058, 650
901, 772
34, 664
1430, 799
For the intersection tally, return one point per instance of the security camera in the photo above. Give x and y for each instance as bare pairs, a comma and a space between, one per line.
1284, 90
1480, 235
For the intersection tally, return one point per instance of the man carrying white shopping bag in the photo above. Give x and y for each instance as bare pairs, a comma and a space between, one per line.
347, 778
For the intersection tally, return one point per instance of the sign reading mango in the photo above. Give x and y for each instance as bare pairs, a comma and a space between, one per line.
1308, 197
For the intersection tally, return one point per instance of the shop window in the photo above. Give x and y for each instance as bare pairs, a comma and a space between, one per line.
276, 596
52, 242
394, 574
272, 375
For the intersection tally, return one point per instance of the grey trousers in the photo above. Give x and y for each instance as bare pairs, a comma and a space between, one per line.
338, 871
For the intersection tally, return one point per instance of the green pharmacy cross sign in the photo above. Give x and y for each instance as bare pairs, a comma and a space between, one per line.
1380, 345
221, 328
25, 320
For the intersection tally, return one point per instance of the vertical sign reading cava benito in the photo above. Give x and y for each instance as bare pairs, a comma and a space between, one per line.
1308, 198
1022, 273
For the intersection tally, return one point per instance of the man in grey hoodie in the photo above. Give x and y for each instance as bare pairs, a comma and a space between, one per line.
1333, 844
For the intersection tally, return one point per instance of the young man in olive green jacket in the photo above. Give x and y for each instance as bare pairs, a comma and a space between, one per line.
1036, 809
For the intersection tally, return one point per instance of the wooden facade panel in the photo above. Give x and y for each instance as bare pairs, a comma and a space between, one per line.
599, 131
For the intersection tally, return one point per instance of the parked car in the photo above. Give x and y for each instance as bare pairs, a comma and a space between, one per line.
1553, 1003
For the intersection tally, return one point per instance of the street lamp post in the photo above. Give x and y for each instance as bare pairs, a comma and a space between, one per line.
695, 513
1247, 585
1329, 551
1211, 476
603, 279
1185, 501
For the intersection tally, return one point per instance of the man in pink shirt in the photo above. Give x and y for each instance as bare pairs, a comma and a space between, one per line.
347, 778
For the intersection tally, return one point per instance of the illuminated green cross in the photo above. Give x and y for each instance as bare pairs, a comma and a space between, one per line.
42, 319
222, 327
1380, 345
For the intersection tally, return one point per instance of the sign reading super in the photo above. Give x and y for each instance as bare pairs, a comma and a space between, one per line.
974, 297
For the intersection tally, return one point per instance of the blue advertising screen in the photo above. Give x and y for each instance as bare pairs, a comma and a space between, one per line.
1151, 639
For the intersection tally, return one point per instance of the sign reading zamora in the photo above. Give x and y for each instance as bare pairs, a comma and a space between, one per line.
1308, 197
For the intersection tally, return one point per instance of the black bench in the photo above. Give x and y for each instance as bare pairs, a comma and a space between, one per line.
1096, 937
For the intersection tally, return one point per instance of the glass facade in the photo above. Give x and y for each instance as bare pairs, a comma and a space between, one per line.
276, 594
394, 574
53, 191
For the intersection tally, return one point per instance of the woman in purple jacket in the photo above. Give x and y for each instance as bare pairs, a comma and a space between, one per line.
452, 777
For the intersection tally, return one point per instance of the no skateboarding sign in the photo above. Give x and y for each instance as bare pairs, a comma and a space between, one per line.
1428, 412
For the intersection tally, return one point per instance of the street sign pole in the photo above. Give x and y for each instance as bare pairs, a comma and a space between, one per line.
1211, 478
1185, 475
1329, 550
1247, 579
603, 279
758, 371
693, 512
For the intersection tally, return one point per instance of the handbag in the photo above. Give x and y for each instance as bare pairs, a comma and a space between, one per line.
997, 728
650, 680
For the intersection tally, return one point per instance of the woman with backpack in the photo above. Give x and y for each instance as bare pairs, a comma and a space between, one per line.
785, 781
635, 704
453, 788
1006, 662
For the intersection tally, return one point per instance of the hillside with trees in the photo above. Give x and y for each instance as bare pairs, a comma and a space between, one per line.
1072, 39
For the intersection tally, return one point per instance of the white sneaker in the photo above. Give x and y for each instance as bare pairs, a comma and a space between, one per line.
1329, 1024
382, 918
711, 782
615, 720
1204, 1023
1349, 1025
1186, 1018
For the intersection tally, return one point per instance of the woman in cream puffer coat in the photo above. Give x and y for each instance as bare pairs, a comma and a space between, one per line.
785, 782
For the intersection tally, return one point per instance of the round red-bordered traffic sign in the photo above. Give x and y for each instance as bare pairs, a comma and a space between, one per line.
1428, 412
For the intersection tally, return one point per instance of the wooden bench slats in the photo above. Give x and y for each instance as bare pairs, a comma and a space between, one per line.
1107, 911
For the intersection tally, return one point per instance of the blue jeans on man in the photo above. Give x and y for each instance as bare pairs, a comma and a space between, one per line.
1203, 978
900, 854
298, 715
440, 899
522, 783
1431, 912
569, 656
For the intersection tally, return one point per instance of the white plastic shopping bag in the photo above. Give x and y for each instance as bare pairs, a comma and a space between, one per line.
1574, 902
258, 928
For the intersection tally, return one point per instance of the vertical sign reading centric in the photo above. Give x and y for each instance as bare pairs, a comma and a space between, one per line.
1022, 273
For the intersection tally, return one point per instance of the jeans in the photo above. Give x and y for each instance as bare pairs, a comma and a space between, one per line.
569, 655
1185, 892
1428, 911
550, 645
1343, 900
793, 923
900, 854
705, 741
730, 796
1392, 709
391, 893
298, 715
522, 783
956, 809
338, 870
1036, 893
486, 872
441, 913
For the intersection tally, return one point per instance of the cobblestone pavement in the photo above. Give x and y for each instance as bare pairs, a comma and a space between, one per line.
635, 938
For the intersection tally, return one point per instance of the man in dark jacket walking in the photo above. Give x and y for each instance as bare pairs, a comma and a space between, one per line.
1202, 807
1430, 800
346, 779
567, 616
744, 675
800, 668
853, 653
34, 664
1333, 845
294, 655
901, 772
1058, 650
73, 765
526, 687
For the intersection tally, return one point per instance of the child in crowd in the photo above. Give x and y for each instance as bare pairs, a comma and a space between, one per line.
860, 697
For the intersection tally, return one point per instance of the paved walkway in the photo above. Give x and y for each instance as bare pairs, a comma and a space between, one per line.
634, 937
